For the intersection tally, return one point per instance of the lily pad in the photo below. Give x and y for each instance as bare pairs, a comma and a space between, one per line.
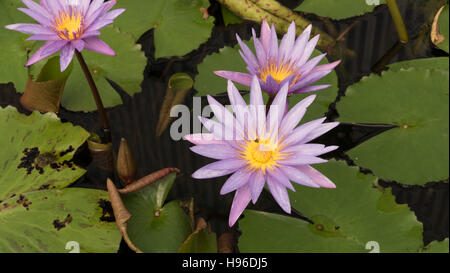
153, 226
53, 220
338, 9
200, 241
437, 247
228, 58
416, 151
440, 29
229, 17
345, 219
36, 213
179, 24
37, 152
125, 69
13, 49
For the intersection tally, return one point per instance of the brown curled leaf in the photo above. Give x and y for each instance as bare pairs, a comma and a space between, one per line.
202, 240
121, 213
147, 180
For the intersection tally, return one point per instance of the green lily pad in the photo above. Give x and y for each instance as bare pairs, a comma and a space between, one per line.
416, 101
437, 247
440, 30
154, 227
57, 221
125, 69
338, 9
345, 219
201, 241
228, 58
36, 213
13, 49
179, 24
425, 63
37, 152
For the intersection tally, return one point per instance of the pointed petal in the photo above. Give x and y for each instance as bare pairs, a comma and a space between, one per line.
66, 56
276, 110
293, 117
219, 168
310, 88
200, 139
236, 181
240, 202
257, 181
95, 44
39, 17
216, 151
30, 28
265, 35
309, 48
287, 43
320, 130
242, 78
273, 47
49, 47
249, 56
301, 132
315, 175
279, 193
300, 44
296, 176
280, 177
299, 159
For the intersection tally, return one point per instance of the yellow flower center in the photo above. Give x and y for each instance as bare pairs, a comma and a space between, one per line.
261, 154
69, 24
278, 72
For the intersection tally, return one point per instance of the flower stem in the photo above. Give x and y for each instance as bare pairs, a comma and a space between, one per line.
398, 21
97, 98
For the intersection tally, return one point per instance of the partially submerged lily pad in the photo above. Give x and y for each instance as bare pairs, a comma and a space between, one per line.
345, 219
338, 9
36, 213
416, 151
437, 247
153, 226
179, 25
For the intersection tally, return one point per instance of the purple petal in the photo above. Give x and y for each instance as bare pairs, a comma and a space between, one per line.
224, 115
40, 18
299, 159
273, 47
306, 149
44, 37
240, 108
94, 7
325, 67
101, 23
240, 201
310, 88
257, 107
250, 58
221, 131
257, 181
270, 86
301, 132
219, 168
305, 69
276, 110
280, 177
259, 49
216, 151
97, 45
66, 56
242, 78
295, 175
287, 42
293, 117
200, 139
78, 44
30, 28
46, 50
315, 175
113, 14
236, 181
300, 44
36, 7
265, 35
280, 194
309, 48
320, 130
310, 78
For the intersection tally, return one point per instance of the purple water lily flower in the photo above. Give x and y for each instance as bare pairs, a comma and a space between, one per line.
67, 25
263, 148
276, 65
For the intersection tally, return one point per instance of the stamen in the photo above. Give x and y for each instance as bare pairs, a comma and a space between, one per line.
69, 24
279, 72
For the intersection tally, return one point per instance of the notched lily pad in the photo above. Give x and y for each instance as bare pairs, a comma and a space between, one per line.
345, 219
416, 151
179, 25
